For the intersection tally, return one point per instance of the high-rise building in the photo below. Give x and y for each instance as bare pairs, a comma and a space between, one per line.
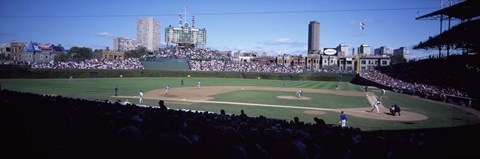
148, 33
124, 44
313, 37
383, 50
342, 50
364, 49
401, 51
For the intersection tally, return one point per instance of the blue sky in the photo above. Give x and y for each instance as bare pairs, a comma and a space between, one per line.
95, 23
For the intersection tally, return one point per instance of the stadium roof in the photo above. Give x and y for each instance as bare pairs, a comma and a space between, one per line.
464, 35
464, 10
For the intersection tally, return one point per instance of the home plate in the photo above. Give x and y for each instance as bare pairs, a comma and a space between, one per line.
184, 99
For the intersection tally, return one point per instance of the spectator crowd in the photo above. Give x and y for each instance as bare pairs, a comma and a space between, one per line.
57, 127
124, 64
234, 66
399, 85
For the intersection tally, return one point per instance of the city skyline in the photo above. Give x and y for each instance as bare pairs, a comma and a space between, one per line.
274, 27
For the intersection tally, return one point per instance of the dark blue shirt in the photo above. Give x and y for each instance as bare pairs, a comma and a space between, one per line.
343, 117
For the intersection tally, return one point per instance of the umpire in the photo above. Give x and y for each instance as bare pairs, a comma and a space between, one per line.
395, 109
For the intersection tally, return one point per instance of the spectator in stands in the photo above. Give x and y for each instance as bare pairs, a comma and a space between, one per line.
161, 103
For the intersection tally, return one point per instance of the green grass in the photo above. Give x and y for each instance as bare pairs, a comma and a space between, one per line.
317, 100
439, 115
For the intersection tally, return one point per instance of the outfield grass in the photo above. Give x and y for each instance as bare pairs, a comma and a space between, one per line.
439, 115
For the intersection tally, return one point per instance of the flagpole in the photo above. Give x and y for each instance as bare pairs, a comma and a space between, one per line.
185, 13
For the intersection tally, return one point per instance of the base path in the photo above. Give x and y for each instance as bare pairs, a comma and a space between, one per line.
191, 95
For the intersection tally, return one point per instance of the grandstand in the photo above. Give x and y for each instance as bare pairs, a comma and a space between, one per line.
464, 36
452, 79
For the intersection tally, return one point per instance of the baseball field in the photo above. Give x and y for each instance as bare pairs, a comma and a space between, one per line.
270, 98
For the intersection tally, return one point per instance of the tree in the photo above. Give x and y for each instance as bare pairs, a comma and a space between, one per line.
139, 52
80, 53
397, 58
63, 57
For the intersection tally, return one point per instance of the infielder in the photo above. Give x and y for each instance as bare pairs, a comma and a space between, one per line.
375, 106
167, 89
198, 84
299, 93
140, 100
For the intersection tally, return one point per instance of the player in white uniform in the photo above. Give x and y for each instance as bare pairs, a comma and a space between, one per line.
299, 93
198, 84
375, 106
167, 89
140, 100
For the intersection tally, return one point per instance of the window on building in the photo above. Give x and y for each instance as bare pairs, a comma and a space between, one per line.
384, 62
363, 62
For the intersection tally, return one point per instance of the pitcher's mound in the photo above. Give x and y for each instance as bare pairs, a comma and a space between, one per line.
293, 98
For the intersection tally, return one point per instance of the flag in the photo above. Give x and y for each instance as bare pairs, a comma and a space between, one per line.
362, 26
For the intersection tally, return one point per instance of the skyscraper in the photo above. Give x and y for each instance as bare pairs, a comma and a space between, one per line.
401, 51
364, 50
148, 33
342, 49
313, 37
